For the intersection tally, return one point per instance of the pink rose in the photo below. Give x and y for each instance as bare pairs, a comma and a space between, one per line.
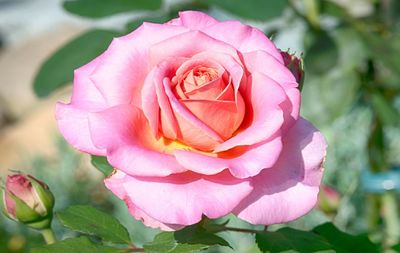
199, 117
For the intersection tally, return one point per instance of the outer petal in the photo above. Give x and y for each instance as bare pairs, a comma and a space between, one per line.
289, 189
115, 184
188, 44
264, 97
74, 126
263, 62
183, 198
196, 20
120, 74
131, 147
84, 89
247, 163
242, 37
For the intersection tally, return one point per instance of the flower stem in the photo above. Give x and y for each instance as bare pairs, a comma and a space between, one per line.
48, 235
242, 230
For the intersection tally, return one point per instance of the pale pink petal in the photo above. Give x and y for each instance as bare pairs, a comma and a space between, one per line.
183, 45
291, 108
184, 198
247, 163
264, 97
83, 88
74, 126
131, 147
243, 37
120, 73
196, 20
263, 62
290, 188
115, 184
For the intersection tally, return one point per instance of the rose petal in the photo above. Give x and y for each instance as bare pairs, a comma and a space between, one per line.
84, 89
120, 74
289, 189
131, 147
73, 124
263, 62
247, 164
242, 37
224, 117
192, 131
182, 46
177, 199
265, 96
196, 20
115, 184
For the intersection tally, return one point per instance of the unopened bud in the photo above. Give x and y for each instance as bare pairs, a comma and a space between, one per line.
28, 200
329, 199
295, 65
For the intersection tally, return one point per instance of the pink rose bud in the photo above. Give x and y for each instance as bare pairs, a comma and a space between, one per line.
329, 199
28, 200
295, 65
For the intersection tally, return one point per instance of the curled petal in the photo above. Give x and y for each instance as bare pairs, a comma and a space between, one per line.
177, 199
242, 163
264, 97
290, 188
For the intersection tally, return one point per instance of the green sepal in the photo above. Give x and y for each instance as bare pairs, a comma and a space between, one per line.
41, 224
23, 212
3, 207
45, 195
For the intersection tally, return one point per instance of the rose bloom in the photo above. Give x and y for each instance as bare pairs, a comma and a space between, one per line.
198, 117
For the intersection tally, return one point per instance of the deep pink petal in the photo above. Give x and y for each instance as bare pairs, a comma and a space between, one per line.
131, 146
224, 117
192, 131
246, 164
184, 198
243, 37
73, 125
264, 97
115, 184
290, 188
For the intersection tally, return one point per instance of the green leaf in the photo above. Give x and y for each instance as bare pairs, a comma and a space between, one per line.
386, 113
75, 245
321, 52
190, 239
252, 9
58, 69
325, 237
343, 242
88, 220
104, 8
286, 239
101, 163
387, 64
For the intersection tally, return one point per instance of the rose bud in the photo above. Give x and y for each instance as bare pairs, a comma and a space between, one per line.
329, 199
295, 65
28, 200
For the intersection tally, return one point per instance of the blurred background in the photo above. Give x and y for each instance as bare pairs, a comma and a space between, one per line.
351, 52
